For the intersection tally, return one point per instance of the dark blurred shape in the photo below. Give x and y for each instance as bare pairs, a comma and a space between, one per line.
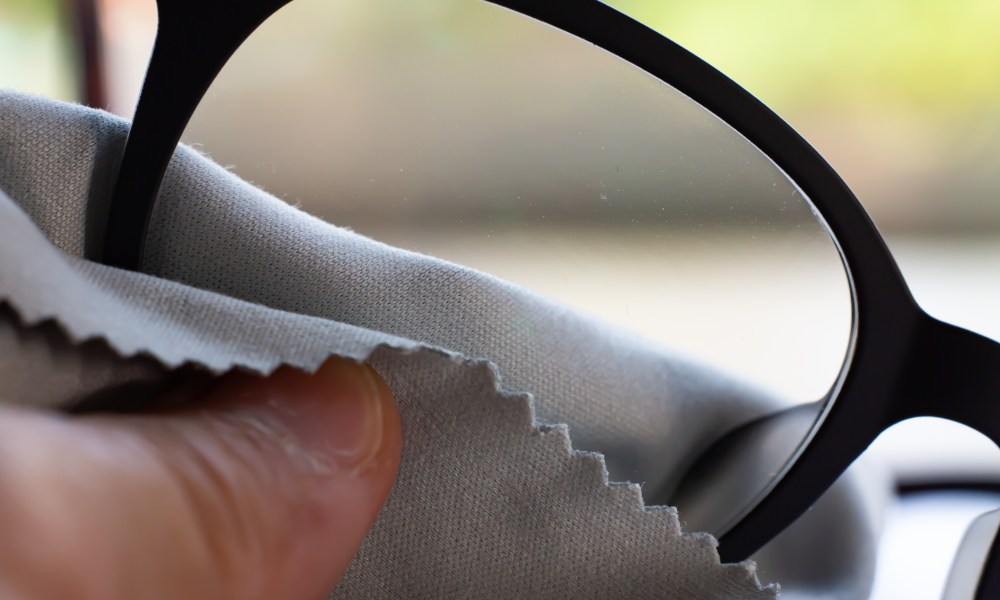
89, 52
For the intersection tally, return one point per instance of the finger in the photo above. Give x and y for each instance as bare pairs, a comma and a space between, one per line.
263, 489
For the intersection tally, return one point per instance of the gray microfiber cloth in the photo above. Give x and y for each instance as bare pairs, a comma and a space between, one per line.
505, 396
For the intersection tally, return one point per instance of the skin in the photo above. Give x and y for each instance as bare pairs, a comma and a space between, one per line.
258, 488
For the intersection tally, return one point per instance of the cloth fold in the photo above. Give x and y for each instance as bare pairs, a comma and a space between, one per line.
492, 380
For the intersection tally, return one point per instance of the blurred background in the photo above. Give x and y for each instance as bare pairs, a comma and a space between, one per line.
461, 130
899, 95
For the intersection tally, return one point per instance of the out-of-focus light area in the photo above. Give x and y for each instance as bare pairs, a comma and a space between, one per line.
35, 48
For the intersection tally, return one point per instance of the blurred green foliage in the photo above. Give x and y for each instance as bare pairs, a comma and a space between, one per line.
35, 49
939, 55
30, 11
800, 56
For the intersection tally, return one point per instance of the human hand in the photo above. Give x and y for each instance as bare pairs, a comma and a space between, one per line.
262, 488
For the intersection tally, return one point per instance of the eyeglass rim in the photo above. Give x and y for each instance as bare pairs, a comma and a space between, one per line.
852, 231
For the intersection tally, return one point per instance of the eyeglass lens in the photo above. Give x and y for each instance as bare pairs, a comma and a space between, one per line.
476, 135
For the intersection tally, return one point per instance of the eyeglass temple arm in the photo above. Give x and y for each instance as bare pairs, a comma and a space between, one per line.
936, 370
954, 374
958, 378
195, 38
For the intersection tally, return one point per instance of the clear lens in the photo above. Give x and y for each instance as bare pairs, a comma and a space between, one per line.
477, 135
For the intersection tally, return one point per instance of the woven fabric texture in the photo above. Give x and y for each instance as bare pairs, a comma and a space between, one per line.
492, 380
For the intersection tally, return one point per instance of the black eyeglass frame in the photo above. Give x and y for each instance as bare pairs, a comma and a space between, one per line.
901, 363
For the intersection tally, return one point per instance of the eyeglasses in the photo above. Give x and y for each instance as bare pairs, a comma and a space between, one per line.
899, 362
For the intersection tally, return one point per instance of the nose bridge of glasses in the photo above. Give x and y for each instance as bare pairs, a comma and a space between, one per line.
194, 40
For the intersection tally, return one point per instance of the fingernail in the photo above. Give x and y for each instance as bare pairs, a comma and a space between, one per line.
337, 415
352, 428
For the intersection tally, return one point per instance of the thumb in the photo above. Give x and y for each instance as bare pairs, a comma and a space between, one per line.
264, 488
